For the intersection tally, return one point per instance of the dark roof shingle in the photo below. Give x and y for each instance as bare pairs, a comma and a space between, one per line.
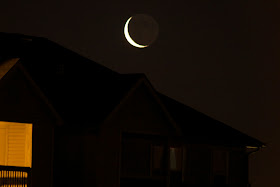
200, 128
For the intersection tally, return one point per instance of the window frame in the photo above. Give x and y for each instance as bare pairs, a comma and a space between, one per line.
214, 173
28, 141
153, 140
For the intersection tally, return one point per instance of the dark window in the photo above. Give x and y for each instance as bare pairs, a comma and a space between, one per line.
219, 166
238, 168
136, 157
158, 164
143, 156
199, 163
59, 69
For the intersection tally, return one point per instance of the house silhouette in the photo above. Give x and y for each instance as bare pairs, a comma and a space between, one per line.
92, 126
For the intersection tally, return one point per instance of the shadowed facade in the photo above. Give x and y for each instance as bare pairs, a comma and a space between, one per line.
95, 127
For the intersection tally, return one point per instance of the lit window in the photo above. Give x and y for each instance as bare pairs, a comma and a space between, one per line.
175, 159
15, 144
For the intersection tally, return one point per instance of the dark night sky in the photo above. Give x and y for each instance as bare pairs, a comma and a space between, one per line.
219, 57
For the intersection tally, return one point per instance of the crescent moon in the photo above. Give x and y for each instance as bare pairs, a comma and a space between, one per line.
128, 38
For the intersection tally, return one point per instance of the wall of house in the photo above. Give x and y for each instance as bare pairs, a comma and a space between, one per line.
206, 164
196, 164
142, 113
238, 168
19, 102
139, 113
90, 161
75, 158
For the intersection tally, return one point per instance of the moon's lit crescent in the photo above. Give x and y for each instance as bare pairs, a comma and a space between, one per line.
129, 39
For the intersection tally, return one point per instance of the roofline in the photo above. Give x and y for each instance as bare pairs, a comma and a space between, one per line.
117, 107
169, 116
59, 119
144, 80
257, 143
17, 36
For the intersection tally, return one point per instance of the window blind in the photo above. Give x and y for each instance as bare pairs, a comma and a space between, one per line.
16, 144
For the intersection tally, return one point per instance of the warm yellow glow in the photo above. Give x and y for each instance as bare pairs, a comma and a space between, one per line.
15, 144
19, 178
7, 65
251, 147
175, 159
129, 39
173, 164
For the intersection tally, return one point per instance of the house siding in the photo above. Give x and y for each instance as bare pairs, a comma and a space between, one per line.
74, 158
199, 166
142, 113
139, 113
